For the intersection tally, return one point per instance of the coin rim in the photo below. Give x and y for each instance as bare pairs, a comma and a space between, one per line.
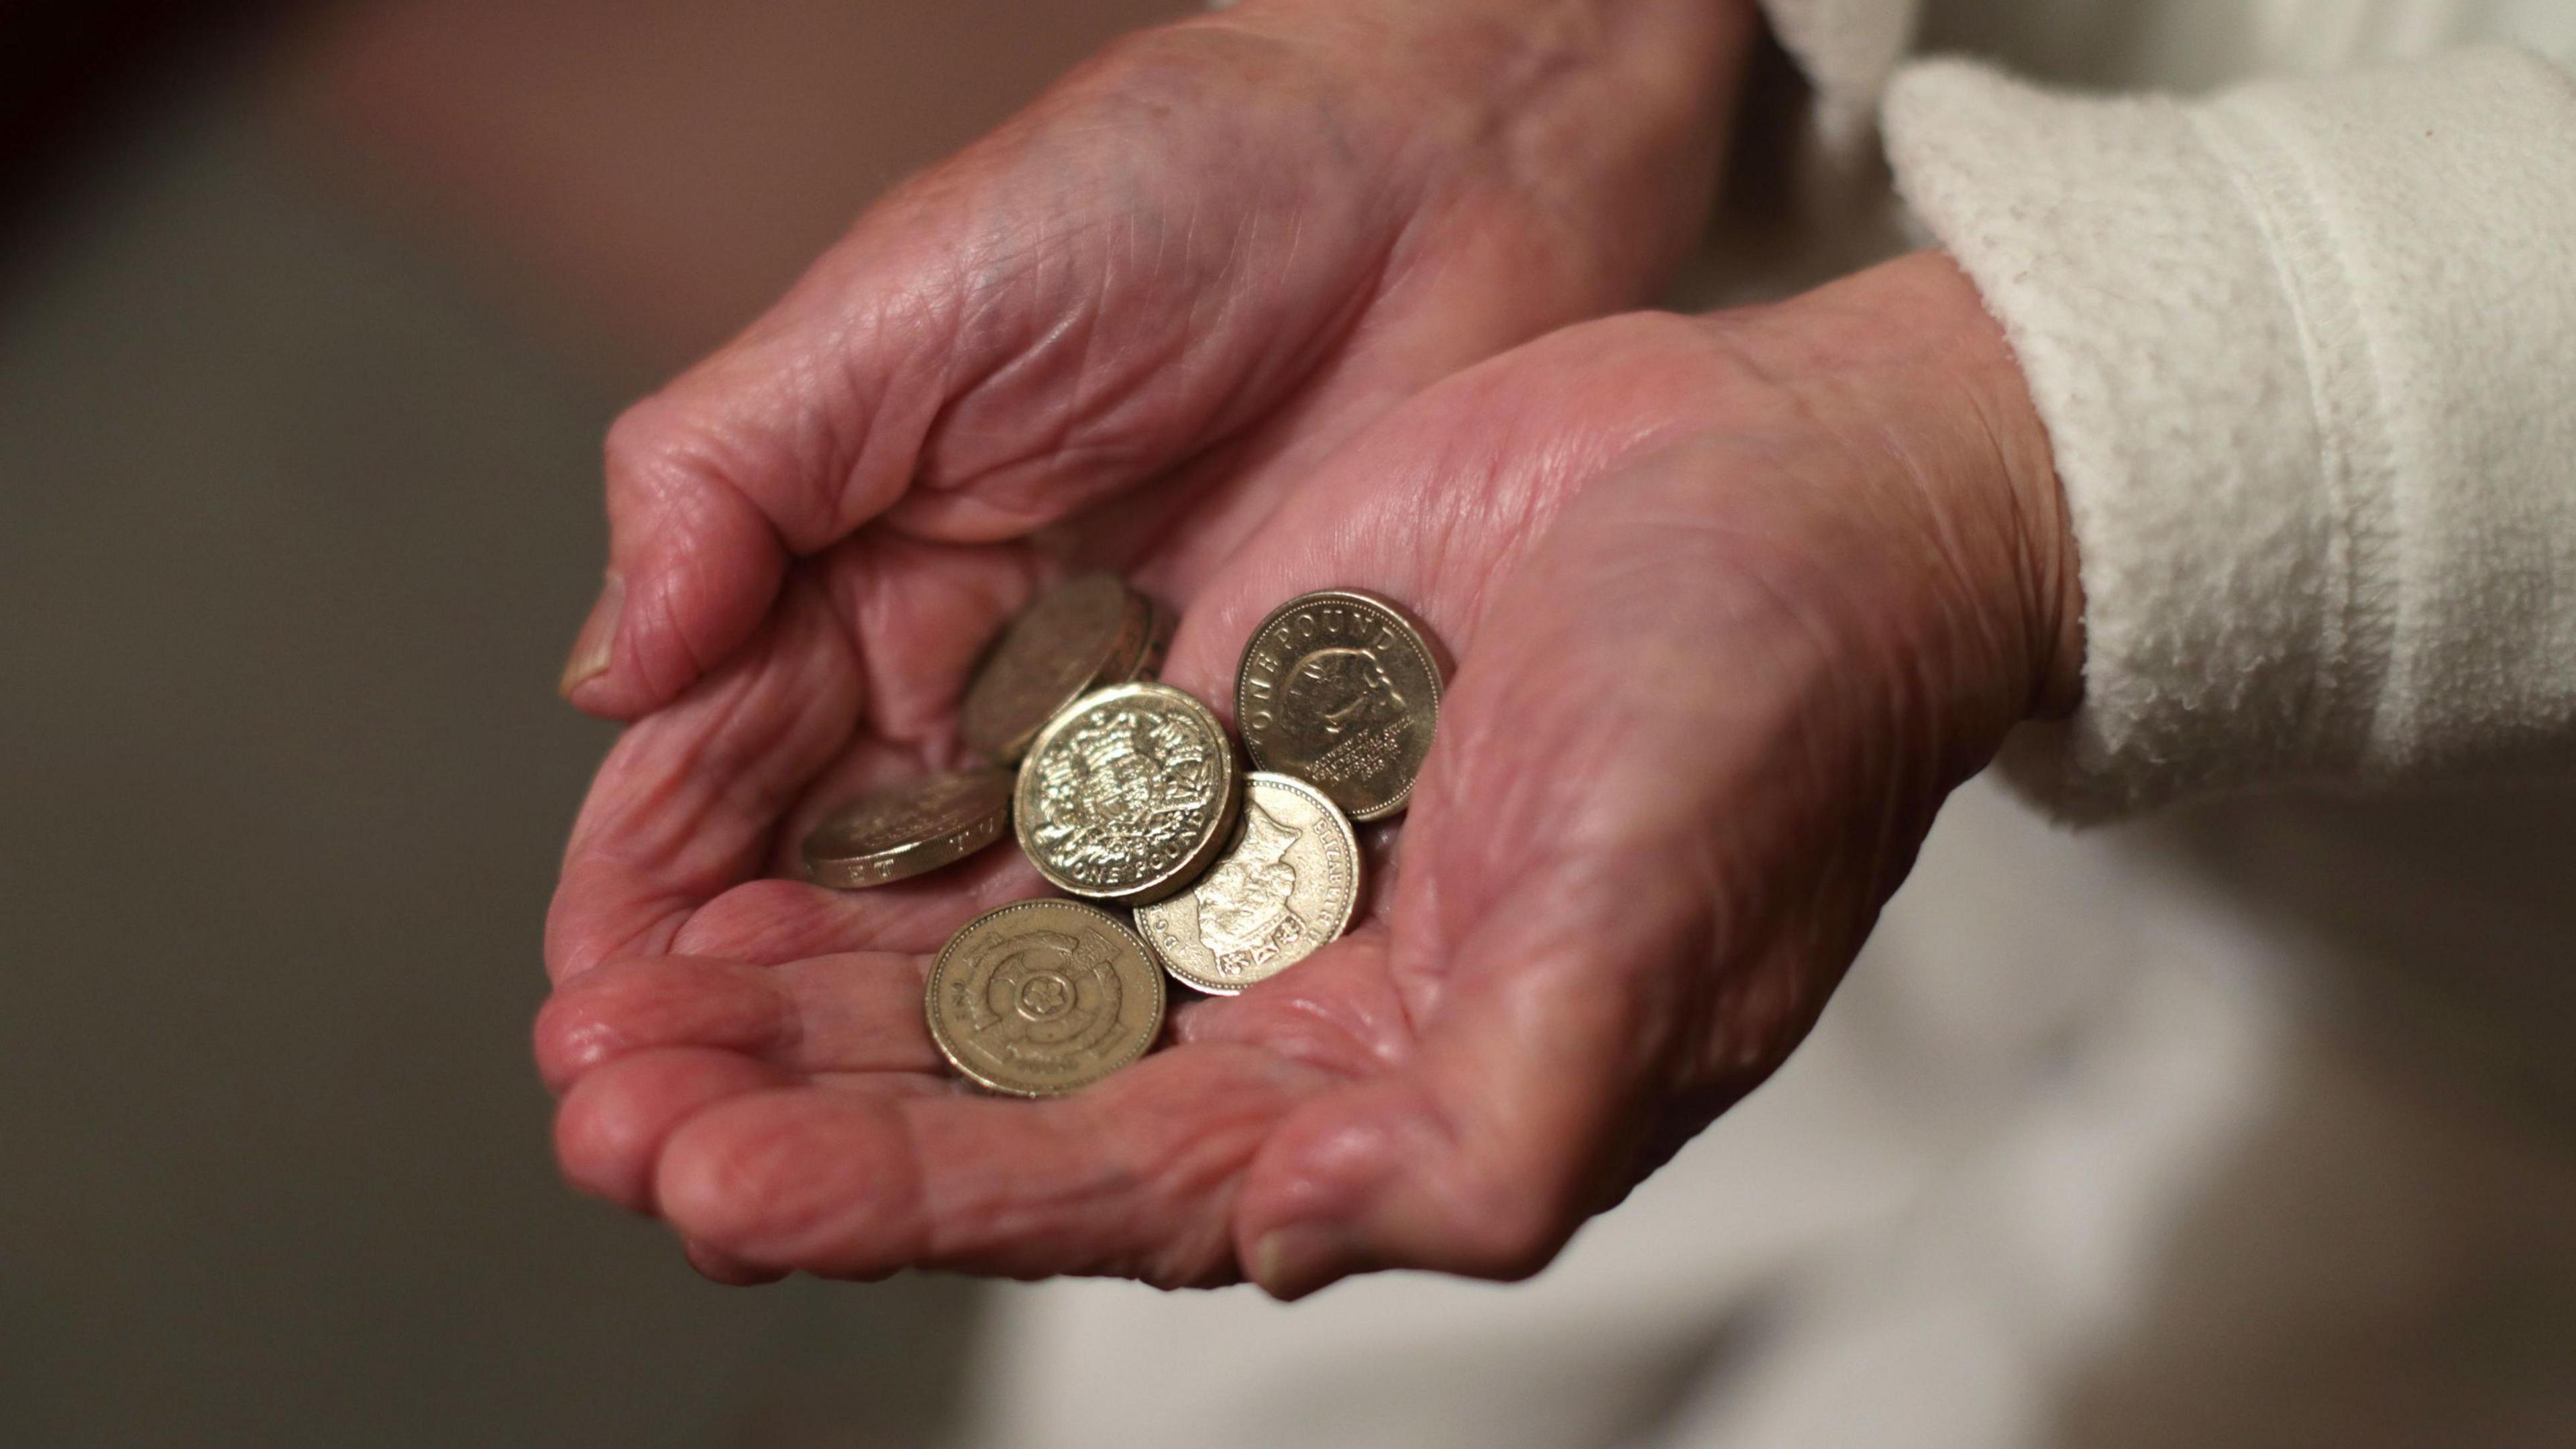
948, 1049
1350, 908
912, 857
1117, 662
1160, 625
1171, 882
1423, 644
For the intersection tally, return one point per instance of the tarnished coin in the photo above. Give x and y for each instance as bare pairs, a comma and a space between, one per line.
1286, 884
1127, 795
1043, 997
1159, 624
1341, 689
1088, 631
907, 829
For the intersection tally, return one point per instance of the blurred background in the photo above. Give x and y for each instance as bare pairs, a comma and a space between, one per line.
311, 317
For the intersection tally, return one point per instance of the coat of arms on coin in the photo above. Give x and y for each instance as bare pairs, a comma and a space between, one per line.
1127, 795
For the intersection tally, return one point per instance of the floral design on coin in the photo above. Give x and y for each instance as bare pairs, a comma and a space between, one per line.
1043, 997
1088, 631
1127, 796
905, 830
1286, 885
1342, 689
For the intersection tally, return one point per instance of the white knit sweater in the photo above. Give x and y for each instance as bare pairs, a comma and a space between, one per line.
2184, 1133
2307, 354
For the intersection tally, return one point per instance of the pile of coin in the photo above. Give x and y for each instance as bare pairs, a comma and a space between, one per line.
1129, 792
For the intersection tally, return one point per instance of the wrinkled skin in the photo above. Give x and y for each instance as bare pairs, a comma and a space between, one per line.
1737, 600
1156, 299
1121, 328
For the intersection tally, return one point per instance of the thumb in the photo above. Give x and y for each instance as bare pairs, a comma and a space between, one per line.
1517, 1117
1084, 299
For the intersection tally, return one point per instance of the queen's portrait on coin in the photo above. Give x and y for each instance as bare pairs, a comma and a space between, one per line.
1341, 710
1244, 915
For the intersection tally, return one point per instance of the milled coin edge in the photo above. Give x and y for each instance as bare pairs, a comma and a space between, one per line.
912, 857
918, 858
947, 1049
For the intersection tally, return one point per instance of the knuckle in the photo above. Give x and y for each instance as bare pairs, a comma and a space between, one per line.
648, 439
708, 453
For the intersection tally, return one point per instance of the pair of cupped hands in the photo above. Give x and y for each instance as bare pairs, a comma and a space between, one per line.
1292, 296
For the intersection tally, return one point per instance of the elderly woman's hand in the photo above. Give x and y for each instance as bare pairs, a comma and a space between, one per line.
1737, 599
1173, 282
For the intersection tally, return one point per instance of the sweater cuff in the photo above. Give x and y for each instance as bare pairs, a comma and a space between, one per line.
2304, 355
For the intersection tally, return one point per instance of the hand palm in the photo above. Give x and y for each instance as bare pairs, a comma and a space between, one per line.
1628, 885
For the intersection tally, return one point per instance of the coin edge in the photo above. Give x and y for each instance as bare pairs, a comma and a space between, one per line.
1115, 661
913, 858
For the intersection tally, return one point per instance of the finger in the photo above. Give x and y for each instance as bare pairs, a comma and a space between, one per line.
1070, 306
1129, 1177
849, 1013
922, 613
612, 1123
610, 1127
716, 1267
685, 803
722, 786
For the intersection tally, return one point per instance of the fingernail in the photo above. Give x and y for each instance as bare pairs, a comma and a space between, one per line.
1292, 1262
598, 640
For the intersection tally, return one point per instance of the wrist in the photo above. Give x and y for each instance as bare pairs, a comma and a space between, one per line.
1906, 356
1614, 113
2008, 472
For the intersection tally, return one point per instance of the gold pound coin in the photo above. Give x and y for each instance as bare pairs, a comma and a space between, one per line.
1088, 631
1128, 795
1286, 884
1043, 997
1342, 690
1159, 623
909, 829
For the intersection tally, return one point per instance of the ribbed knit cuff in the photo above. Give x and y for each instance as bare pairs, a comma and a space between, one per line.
2307, 356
